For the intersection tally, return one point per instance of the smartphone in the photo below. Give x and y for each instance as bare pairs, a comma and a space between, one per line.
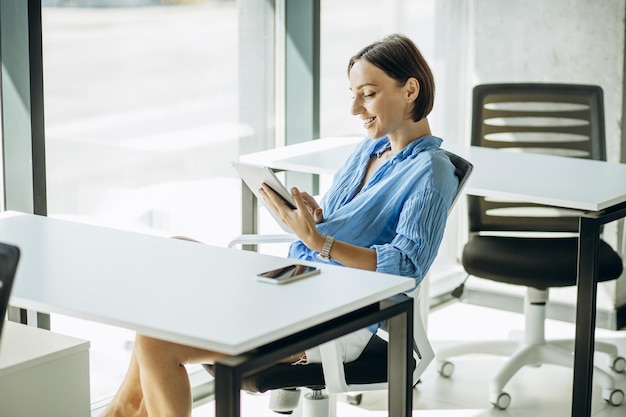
288, 273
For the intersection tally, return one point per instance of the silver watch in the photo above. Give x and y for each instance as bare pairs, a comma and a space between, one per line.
324, 255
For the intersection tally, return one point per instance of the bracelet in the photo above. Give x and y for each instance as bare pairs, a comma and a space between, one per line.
324, 255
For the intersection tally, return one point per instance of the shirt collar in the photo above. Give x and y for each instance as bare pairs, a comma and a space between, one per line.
412, 148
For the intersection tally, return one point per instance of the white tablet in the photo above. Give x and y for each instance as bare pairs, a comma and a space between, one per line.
254, 176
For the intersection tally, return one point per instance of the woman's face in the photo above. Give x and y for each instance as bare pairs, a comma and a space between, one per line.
379, 100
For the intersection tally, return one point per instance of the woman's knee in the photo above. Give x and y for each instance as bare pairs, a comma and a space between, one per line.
149, 347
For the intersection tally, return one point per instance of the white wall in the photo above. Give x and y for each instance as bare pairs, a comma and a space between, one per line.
564, 41
567, 41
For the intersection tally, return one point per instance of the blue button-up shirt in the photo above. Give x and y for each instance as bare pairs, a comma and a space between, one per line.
400, 212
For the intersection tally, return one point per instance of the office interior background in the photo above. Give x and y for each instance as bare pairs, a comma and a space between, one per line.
146, 102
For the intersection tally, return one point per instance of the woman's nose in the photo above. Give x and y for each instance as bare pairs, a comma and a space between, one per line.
357, 108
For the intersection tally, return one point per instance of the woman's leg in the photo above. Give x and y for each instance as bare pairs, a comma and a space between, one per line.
157, 383
128, 400
164, 379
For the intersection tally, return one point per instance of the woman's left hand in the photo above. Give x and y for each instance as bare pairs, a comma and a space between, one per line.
302, 220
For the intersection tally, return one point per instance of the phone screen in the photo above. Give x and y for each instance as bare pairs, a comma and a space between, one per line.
288, 273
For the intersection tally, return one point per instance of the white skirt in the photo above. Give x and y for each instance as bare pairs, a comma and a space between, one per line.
350, 347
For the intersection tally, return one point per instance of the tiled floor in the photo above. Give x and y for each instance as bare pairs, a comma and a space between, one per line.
535, 392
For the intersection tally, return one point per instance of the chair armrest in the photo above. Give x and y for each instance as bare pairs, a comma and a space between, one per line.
333, 367
420, 333
254, 239
423, 346
332, 364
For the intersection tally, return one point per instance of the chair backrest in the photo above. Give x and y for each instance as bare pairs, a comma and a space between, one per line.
9, 257
557, 119
462, 170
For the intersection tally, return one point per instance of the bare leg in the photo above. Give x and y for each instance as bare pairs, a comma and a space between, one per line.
157, 383
128, 401
164, 379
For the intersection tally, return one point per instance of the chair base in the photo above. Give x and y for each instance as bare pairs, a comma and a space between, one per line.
534, 350
528, 355
317, 402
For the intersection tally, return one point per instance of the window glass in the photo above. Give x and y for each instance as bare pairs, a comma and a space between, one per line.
142, 121
142, 115
349, 25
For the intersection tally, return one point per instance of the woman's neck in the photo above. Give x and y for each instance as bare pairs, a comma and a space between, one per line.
413, 132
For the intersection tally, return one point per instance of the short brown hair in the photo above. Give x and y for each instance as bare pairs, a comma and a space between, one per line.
400, 59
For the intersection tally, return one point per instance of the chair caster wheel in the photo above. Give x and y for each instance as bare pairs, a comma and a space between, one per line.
502, 401
613, 396
446, 369
354, 399
284, 401
618, 365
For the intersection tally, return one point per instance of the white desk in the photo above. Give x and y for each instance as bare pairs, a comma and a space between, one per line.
597, 187
200, 295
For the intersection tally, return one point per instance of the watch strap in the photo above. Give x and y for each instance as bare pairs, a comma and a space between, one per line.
324, 255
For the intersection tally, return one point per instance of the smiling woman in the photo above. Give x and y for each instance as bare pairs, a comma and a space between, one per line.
413, 66
385, 216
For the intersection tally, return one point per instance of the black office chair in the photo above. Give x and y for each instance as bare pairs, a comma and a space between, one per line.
528, 244
368, 372
9, 257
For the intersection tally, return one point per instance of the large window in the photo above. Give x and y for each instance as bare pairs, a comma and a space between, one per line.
142, 116
148, 101
349, 25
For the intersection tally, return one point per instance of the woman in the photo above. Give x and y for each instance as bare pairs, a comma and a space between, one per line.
386, 212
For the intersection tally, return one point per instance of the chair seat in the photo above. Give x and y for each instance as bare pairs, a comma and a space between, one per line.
370, 367
534, 262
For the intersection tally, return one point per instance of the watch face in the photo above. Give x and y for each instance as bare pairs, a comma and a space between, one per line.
323, 258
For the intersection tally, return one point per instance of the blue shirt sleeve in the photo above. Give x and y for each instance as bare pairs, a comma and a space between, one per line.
420, 230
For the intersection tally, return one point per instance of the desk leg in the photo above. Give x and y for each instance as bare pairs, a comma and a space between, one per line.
398, 310
588, 245
400, 392
227, 391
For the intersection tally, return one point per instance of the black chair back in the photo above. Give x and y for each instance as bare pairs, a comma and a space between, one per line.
9, 257
462, 170
556, 119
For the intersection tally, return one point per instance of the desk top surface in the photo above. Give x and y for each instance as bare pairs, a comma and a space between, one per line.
554, 180
187, 292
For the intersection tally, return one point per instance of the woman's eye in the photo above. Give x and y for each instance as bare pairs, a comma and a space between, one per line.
369, 95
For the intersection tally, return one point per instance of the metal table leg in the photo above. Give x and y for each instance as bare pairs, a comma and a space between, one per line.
229, 371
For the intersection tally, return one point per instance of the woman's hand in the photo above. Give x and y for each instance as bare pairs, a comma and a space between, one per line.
311, 204
302, 220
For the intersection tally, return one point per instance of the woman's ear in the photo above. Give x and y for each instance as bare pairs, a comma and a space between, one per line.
412, 87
